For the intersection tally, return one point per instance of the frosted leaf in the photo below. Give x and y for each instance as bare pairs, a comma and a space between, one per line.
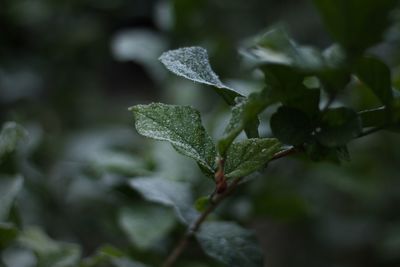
169, 193
249, 155
179, 125
230, 244
192, 63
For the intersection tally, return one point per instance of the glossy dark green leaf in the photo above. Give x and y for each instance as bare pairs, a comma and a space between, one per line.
167, 192
249, 155
291, 126
9, 189
355, 24
376, 75
338, 126
192, 63
230, 244
179, 125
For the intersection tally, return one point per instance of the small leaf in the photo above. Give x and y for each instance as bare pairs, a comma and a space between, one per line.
338, 127
243, 114
167, 192
356, 24
192, 63
179, 125
376, 75
10, 134
247, 156
230, 244
8, 233
146, 224
202, 203
291, 126
9, 189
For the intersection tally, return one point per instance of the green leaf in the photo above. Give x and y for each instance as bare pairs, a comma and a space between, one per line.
249, 155
355, 24
373, 117
179, 125
9, 189
49, 252
243, 114
10, 134
276, 47
230, 244
288, 88
110, 256
202, 203
376, 75
338, 126
8, 233
192, 63
167, 192
146, 224
291, 126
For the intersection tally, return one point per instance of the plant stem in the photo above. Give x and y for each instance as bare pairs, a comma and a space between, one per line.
174, 255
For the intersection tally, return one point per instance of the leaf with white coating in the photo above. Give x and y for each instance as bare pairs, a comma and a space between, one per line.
169, 193
230, 244
179, 125
249, 155
192, 63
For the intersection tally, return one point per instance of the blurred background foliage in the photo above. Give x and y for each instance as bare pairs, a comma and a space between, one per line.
68, 72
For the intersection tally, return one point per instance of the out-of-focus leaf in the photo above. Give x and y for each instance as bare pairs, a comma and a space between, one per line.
179, 125
202, 203
9, 189
376, 75
8, 233
230, 244
338, 126
291, 126
347, 21
146, 224
276, 47
10, 134
167, 192
192, 63
49, 252
108, 256
244, 113
373, 117
287, 87
247, 156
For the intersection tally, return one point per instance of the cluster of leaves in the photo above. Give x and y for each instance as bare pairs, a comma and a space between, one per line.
301, 86
296, 78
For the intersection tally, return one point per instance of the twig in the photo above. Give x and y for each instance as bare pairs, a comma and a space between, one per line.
199, 221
